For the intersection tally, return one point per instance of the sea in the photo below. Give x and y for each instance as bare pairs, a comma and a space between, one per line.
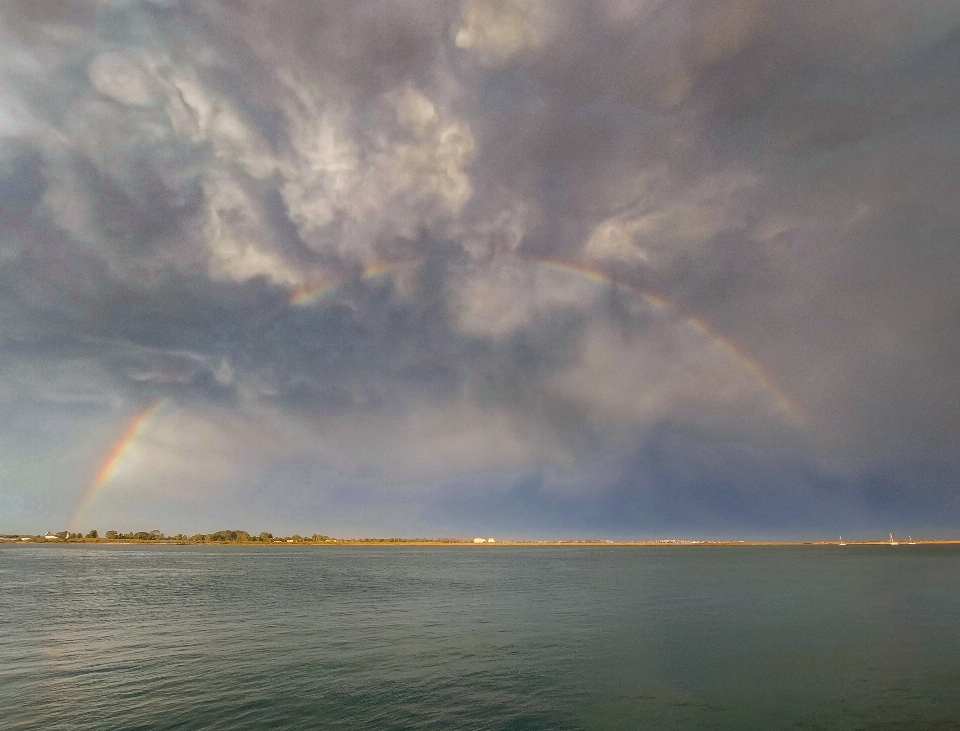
234, 638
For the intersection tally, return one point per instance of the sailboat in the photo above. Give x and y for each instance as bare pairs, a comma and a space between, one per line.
893, 542
841, 542
910, 541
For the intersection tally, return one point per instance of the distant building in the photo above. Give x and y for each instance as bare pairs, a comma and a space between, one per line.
490, 540
479, 540
50, 537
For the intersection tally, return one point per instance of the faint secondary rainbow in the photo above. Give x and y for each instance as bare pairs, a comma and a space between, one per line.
313, 291
114, 459
730, 349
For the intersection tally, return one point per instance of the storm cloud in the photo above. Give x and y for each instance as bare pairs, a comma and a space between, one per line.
518, 265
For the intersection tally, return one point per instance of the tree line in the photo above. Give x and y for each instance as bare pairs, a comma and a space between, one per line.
221, 536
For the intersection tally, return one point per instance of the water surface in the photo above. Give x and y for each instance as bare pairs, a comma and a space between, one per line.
290, 637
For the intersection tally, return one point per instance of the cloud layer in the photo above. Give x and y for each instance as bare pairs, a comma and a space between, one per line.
389, 259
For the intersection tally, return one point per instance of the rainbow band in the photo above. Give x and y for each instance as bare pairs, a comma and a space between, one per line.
310, 293
113, 460
731, 350
601, 277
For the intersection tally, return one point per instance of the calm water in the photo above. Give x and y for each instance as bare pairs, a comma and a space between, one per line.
185, 637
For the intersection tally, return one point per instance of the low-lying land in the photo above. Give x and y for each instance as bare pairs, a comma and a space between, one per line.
240, 537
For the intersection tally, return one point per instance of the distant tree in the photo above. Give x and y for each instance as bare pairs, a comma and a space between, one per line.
264, 536
62, 535
92, 534
112, 534
230, 535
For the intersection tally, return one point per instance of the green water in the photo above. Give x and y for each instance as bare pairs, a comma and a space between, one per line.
191, 637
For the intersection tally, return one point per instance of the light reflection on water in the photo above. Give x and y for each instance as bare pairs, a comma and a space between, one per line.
228, 637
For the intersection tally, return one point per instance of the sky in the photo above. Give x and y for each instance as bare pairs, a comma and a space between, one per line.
513, 268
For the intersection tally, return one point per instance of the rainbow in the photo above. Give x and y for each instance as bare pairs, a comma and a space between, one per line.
730, 349
312, 292
601, 277
113, 460
750, 366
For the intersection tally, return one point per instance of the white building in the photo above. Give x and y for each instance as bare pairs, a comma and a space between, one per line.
479, 540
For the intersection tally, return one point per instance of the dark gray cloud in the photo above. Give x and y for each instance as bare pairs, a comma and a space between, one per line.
407, 251
672, 486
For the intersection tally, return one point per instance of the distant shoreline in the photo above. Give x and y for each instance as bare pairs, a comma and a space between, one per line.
34, 540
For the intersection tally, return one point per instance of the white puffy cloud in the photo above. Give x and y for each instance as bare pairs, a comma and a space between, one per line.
674, 220
502, 28
615, 240
497, 298
436, 165
344, 195
123, 78
236, 235
417, 111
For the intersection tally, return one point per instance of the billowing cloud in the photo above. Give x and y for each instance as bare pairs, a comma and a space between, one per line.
502, 28
495, 255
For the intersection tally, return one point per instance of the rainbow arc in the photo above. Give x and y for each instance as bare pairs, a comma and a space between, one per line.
749, 364
314, 291
113, 459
